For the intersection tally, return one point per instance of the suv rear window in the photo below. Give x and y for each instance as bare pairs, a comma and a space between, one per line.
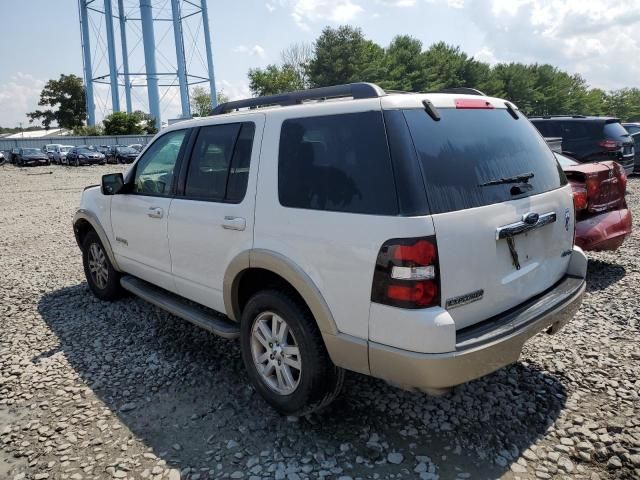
339, 163
467, 148
615, 130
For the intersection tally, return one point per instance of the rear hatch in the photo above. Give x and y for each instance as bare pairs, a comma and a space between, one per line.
490, 177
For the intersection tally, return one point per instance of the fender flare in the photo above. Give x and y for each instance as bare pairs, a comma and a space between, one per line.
287, 269
92, 219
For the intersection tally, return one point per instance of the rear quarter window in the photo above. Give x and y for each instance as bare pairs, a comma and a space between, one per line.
468, 148
338, 163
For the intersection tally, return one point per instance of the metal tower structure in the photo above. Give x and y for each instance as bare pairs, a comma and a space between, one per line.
126, 63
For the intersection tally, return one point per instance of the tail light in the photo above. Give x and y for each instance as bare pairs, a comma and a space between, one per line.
580, 196
610, 145
618, 170
406, 273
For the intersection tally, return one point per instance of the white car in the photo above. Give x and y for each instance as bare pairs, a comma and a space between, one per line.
417, 238
58, 153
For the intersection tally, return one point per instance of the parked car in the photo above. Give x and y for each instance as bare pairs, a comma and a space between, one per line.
137, 147
50, 148
590, 139
634, 131
84, 156
121, 154
13, 154
31, 156
603, 220
2, 159
60, 155
418, 238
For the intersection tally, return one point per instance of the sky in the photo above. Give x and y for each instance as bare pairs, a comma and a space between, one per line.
40, 39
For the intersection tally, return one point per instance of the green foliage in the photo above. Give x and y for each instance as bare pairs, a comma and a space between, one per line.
66, 98
200, 101
89, 131
344, 55
123, 123
624, 103
274, 79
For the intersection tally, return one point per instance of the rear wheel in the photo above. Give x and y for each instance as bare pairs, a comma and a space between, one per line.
77, 162
285, 356
103, 279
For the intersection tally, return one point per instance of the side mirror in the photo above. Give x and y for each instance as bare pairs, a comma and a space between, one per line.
112, 183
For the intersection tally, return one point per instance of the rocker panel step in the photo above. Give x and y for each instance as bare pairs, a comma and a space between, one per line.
215, 323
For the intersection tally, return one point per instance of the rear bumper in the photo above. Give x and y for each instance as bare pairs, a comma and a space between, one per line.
487, 346
605, 231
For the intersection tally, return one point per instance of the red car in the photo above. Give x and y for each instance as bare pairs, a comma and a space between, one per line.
603, 220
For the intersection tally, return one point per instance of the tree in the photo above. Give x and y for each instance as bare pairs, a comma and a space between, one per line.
66, 97
403, 65
200, 101
623, 103
123, 123
274, 79
343, 55
298, 56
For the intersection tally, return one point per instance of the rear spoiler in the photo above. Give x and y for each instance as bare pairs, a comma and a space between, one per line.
555, 143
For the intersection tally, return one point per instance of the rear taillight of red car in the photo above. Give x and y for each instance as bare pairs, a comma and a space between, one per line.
619, 172
406, 273
580, 196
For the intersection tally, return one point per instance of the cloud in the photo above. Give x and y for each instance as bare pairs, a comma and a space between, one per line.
234, 90
597, 38
270, 7
397, 3
306, 12
256, 50
19, 95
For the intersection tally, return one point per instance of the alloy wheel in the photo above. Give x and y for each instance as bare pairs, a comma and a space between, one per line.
98, 266
275, 353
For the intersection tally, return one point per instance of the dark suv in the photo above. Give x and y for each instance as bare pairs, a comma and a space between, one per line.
590, 139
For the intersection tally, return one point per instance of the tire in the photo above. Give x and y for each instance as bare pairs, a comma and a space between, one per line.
95, 257
318, 380
77, 163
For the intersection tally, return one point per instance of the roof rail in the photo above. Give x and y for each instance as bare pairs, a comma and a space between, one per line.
461, 90
354, 90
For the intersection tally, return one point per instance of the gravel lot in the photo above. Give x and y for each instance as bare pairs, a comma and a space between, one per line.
123, 390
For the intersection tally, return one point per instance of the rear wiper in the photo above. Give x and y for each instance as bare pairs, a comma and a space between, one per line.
522, 178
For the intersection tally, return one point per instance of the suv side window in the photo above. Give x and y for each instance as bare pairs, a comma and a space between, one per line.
337, 163
574, 130
155, 170
219, 165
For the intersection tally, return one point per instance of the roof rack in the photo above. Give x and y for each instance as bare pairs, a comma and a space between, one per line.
354, 90
461, 90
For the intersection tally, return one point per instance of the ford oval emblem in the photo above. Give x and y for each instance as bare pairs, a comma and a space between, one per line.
530, 218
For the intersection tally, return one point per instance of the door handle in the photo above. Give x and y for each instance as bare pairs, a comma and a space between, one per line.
155, 212
234, 223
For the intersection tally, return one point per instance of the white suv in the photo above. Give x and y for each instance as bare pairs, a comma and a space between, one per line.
417, 238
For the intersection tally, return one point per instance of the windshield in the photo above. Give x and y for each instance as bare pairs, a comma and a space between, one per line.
65, 149
468, 148
85, 150
126, 150
565, 161
30, 151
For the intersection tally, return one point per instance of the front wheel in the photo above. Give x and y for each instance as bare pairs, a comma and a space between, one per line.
285, 356
103, 279
77, 163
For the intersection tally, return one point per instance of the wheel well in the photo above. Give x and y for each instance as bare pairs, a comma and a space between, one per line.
253, 280
81, 228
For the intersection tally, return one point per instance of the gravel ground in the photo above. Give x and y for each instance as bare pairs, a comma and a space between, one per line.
123, 390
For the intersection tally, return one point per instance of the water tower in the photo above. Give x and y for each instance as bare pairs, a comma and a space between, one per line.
129, 46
